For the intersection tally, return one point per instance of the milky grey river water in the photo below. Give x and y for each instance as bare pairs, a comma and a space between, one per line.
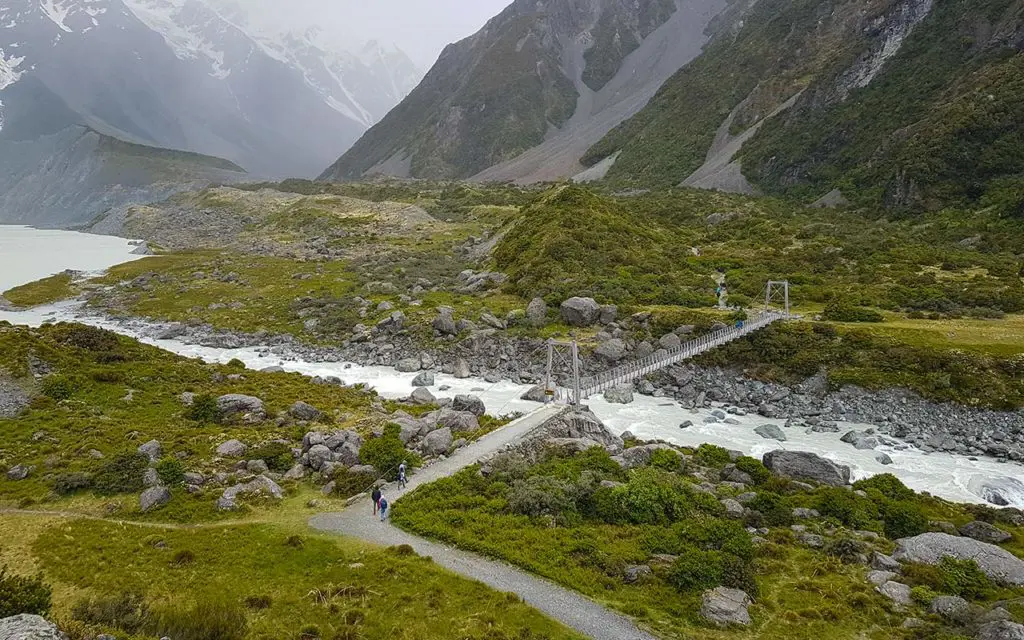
952, 477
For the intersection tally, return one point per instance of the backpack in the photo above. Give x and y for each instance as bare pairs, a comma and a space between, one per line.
383, 504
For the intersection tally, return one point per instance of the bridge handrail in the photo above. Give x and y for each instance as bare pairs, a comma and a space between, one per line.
688, 349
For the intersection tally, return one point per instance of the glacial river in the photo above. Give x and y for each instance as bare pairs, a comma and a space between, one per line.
952, 477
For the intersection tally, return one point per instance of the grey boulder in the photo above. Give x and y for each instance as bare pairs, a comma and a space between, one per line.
770, 432
151, 450
929, 548
424, 379
580, 312
18, 472
984, 532
154, 498
232, 449
898, 592
802, 465
1000, 630
537, 312
622, 394
249, 408
611, 350
303, 411
408, 365
438, 442
422, 396
29, 627
469, 403
723, 606
458, 421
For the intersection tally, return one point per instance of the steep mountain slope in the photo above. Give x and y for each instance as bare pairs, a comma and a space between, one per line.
903, 102
178, 74
540, 72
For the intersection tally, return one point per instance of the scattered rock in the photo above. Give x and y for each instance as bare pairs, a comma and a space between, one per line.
154, 498
807, 466
438, 442
635, 573
622, 394
249, 408
882, 562
883, 458
985, 532
537, 312
929, 548
953, 608
29, 627
152, 450
770, 432
302, 411
733, 509
611, 350
408, 365
19, 472
472, 404
898, 592
535, 394
1001, 630
580, 312
723, 606
421, 396
878, 578
462, 370
424, 379
232, 449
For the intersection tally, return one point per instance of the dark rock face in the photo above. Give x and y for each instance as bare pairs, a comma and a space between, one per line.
802, 465
984, 532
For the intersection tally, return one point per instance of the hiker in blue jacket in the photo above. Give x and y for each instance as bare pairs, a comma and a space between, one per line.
383, 509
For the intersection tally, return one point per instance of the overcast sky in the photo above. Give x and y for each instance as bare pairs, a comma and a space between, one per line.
421, 28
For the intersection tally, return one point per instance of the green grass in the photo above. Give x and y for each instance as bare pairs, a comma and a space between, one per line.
46, 291
380, 592
581, 543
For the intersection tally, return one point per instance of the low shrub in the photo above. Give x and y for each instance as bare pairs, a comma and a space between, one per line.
122, 474
666, 459
542, 496
709, 455
696, 570
171, 472
310, 632
277, 455
775, 510
839, 310
903, 519
258, 602
848, 550
85, 337
23, 594
922, 595
58, 387
754, 468
182, 558
126, 611
204, 409
964, 578
886, 484
68, 483
846, 507
387, 452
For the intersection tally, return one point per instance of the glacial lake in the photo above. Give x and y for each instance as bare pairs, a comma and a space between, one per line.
28, 254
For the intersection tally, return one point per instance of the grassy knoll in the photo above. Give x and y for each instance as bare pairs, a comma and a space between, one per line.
45, 291
581, 520
253, 581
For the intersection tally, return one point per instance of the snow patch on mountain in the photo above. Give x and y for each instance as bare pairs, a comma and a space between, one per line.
57, 12
9, 74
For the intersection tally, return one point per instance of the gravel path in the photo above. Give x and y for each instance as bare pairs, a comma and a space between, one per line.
568, 607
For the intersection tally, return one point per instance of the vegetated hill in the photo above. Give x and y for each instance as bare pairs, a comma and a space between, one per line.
548, 78
907, 102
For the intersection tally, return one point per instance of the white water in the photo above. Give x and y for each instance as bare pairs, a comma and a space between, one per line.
28, 254
951, 477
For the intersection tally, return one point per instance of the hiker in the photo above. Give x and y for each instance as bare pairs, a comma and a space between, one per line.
401, 475
383, 509
376, 499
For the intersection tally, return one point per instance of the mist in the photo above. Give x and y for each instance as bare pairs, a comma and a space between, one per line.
420, 28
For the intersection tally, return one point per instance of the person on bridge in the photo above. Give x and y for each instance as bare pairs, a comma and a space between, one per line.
383, 509
401, 476
376, 499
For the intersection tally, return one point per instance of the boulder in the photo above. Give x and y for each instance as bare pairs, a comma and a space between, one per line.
639, 456
492, 321
535, 394
29, 627
438, 442
261, 485
802, 465
469, 403
257, 466
571, 445
408, 365
985, 532
232, 449
462, 370
580, 312
860, 440
770, 432
723, 606
882, 562
458, 421
248, 407
611, 350
733, 509
883, 458
878, 578
669, 341
421, 396
318, 455
608, 314
154, 498
953, 608
537, 312
302, 411
583, 424
150, 478
425, 379
635, 573
152, 450
929, 548
444, 324
18, 472
898, 592
999, 630
622, 394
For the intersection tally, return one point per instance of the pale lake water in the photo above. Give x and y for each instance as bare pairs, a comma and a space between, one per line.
948, 476
28, 254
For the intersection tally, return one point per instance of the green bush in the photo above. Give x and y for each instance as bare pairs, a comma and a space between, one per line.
842, 311
126, 611
695, 570
171, 472
85, 337
754, 468
66, 484
58, 387
258, 602
277, 455
846, 507
886, 484
666, 459
848, 550
204, 409
236, 364
775, 510
387, 452
348, 484
23, 594
542, 496
208, 620
903, 519
964, 578
122, 474
709, 455
922, 595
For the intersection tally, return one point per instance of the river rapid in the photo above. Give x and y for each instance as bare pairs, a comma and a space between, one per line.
952, 477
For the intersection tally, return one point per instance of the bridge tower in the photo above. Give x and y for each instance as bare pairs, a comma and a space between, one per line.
568, 353
777, 290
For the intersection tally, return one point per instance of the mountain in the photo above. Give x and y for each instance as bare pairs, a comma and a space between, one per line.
527, 95
181, 75
903, 103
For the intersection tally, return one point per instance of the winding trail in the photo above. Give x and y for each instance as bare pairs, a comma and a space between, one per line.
566, 606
